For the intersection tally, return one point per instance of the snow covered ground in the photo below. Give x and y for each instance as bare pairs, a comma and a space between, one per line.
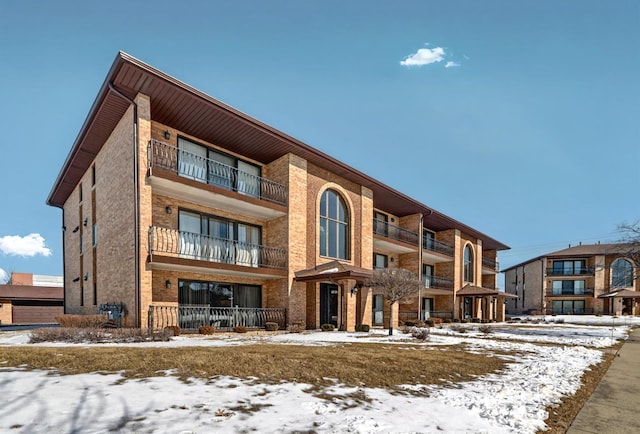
513, 401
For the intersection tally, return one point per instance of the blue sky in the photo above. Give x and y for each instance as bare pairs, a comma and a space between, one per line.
517, 118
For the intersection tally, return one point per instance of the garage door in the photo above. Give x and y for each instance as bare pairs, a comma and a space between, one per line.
36, 314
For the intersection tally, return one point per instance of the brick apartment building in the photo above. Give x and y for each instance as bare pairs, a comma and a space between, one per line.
584, 279
173, 202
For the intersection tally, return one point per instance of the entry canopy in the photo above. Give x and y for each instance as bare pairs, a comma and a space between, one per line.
332, 272
623, 293
478, 291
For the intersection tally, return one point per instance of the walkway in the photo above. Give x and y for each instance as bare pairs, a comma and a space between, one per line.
613, 406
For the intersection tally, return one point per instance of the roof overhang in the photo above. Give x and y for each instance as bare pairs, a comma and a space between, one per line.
623, 293
180, 106
478, 291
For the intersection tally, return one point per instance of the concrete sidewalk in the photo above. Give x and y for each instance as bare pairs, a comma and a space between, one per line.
613, 406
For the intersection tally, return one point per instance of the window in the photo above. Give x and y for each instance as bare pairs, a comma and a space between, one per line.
427, 275
380, 261
621, 274
334, 226
94, 234
207, 165
217, 239
568, 306
80, 192
468, 264
428, 239
216, 294
93, 175
568, 287
568, 268
380, 223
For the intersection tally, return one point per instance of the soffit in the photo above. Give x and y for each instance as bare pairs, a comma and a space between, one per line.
187, 109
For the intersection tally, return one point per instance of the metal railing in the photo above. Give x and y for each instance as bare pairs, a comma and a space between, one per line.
490, 263
202, 247
380, 227
190, 317
437, 282
579, 271
213, 172
436, 246
570, 291
578, 311
412, 315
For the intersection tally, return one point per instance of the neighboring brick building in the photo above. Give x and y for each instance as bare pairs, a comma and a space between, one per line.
585, 279
31, 299
172, 198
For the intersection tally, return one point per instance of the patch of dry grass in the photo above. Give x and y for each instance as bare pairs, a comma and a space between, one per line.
561, 416
367, 365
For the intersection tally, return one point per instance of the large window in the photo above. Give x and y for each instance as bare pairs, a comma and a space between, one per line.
568, 268
568, 287
216, 168
468, 264
215, 294
334, 226
217, 239
568, 306
621, 274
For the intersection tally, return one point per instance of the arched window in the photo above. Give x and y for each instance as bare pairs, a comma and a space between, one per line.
621, 274
334, 226
468, 264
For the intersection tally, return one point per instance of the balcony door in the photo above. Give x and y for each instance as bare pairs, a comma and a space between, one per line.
248, 179
427, 275
378, 309
192, 160
190, 238
247, 249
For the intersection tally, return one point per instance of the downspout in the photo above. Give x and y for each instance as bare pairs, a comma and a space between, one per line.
136, 201
64, 266
420, 247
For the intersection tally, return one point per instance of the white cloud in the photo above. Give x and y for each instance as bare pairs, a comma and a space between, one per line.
451, 64
3, 276
30, 245
424, 56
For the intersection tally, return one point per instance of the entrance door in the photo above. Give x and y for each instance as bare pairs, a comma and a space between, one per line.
328, 304
468, 308
427, 308
378, 309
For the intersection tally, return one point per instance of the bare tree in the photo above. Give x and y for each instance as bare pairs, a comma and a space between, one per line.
630, 240
5, 277
394, 285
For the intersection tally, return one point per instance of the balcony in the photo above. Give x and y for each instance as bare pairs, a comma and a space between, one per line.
569, 292
171, 248
437, 282
403, 240
436, 251
490, 265
191, 317
178, 173
578, 271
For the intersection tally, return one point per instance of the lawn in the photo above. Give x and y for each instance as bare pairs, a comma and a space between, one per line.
514, 378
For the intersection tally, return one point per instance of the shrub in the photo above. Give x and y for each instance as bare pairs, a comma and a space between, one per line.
475, 320
410, 323
561, 320
271, 326
485, 329
206, 330
421, 334
94, 335
327, 327
456, 320
81, 321
240, 329
173, 330
297, 327
447, 320
458, 328
362, 328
